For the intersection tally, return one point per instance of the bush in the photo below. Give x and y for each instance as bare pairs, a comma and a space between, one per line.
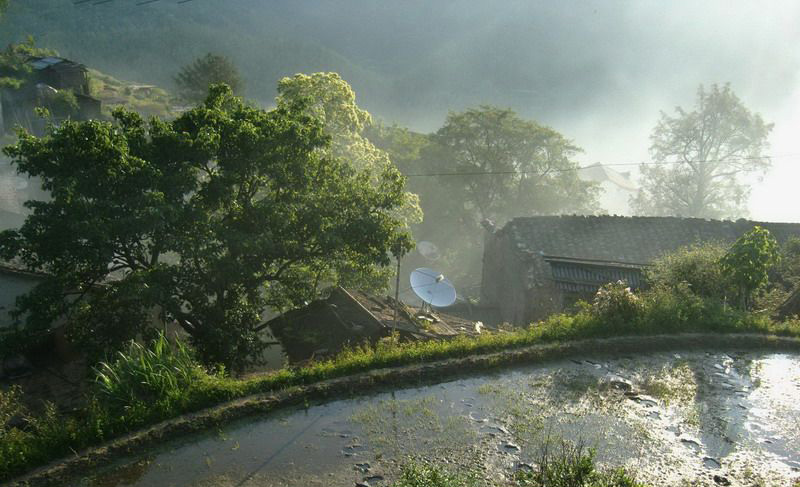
572, 466
697, 267
616, 304
414, 475
157, 377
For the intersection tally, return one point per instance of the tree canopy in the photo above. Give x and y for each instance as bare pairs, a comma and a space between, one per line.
485, 162
749, 261
194, 79
511, 166
204, 221
701, 157
14, 66
332, 101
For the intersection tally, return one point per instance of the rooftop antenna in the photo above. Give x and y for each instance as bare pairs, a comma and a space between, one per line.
432, 288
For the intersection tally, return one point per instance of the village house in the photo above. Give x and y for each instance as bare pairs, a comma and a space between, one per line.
50, 76
535, 266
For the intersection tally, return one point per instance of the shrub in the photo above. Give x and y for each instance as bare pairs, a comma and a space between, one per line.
697, 267
616, 304
572, 466
414, 475
748, 262
157, 377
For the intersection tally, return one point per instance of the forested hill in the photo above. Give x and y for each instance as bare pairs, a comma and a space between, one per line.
408, 61
411, 61
149, 44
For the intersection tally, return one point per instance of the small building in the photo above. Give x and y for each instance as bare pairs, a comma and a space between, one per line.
50, 76
535, 266
14, 282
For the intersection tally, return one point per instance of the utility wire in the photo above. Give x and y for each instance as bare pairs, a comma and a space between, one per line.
618, 164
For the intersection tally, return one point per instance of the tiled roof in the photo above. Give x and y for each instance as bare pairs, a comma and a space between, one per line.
635, 240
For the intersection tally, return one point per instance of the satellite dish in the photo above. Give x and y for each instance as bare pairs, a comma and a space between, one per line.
428, 250
432, 287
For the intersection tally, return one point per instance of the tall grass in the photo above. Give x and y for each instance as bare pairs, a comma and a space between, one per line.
146, 381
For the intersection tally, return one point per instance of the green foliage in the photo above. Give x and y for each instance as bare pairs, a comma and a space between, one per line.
572, 466
749, 260
330, 99
423, 475
212, 218
154, 377
532, 173
14, 67
533, 165
148, 101
614, 302
662, 313
195, 79
697, 267
706, 153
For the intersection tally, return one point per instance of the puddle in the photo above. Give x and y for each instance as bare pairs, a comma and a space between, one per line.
668, 417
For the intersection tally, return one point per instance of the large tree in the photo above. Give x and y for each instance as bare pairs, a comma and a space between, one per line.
332, 101
500, 165
701, 156
206, 221
485, 162
194, 79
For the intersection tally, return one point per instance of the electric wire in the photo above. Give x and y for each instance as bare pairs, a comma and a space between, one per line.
612, 164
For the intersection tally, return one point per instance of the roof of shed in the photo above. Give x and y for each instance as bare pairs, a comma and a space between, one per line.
631, 240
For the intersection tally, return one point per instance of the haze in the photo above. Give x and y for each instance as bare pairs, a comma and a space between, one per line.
597, 71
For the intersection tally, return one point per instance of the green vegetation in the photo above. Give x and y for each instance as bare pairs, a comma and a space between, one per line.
146, 100
570, 467
194, 79
749, 261
696, 267
523, 168
212, 218
711, 147
423, 475
51, 436
142, 378
14, 67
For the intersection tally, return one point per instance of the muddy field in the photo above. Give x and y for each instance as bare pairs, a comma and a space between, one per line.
673, 418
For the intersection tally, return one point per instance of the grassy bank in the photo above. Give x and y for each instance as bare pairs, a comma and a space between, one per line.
150, 384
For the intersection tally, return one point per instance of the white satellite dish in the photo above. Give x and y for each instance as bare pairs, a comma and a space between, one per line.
432, 287
429, 250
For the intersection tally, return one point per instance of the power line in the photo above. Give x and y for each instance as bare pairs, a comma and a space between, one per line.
617, 164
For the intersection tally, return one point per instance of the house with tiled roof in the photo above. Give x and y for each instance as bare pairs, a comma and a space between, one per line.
535, 266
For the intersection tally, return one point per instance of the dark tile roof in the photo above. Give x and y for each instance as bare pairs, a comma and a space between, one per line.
635, 240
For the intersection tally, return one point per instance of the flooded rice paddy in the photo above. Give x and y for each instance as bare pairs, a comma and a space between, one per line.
672, 418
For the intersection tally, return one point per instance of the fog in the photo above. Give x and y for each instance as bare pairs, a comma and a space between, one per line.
597, 71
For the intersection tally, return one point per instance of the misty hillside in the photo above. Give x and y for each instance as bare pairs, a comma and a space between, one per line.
410, 62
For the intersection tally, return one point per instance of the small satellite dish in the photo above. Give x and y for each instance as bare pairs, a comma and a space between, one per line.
432, 287
428, 250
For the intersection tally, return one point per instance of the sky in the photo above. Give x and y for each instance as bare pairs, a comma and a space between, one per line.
599, 71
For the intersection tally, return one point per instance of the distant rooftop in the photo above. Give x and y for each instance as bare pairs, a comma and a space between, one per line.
41, 63
598, 172
625, 240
